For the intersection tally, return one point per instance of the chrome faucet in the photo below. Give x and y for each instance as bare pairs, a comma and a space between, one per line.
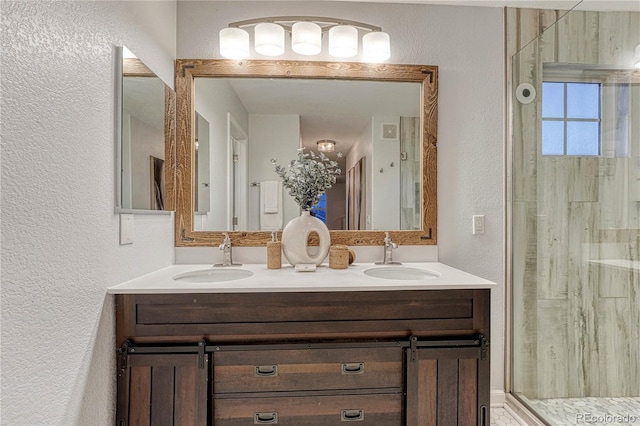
388, 251
227, 259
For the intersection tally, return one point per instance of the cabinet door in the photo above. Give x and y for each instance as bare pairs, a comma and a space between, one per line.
163, 389
447, 386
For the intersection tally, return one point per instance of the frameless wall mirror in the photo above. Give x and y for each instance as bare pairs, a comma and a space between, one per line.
145, 141
235, 117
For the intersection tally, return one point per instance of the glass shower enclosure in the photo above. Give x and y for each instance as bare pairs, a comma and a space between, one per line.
575, 228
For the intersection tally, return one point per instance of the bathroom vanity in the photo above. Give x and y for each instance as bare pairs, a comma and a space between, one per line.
288, 348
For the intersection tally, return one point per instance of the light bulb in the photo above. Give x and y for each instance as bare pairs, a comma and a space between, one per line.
306, 38
343, 41
326, 145
234, 43
269, 39
376, 47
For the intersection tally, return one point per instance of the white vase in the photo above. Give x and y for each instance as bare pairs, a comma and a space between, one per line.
295, 236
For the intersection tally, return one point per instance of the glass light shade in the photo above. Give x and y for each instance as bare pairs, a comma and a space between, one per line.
326, 145
234, 43
376, 47
269, 39
636, 57
306, 38
343, 41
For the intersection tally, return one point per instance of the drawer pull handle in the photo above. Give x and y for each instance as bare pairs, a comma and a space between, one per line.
266, 370
353, 368
265, 418
352, 415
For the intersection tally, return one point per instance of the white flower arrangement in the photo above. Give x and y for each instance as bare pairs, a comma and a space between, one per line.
308, 177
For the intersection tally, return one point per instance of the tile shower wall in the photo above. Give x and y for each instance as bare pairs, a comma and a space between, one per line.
576, 321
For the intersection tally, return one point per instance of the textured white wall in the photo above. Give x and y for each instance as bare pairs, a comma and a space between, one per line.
59, 233
468, 46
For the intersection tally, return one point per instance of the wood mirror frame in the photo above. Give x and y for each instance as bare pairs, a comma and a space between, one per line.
188, 69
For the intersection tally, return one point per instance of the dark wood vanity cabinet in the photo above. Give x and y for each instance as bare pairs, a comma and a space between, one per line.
373, 358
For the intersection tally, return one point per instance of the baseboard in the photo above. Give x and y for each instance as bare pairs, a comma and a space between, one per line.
497, 398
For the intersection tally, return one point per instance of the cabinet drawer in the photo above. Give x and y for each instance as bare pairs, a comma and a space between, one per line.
310, 316
307, 369
374, 409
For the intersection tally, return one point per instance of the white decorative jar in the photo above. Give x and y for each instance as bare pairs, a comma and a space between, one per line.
296, 235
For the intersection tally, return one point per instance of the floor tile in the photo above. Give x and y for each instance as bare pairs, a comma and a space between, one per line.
622, 411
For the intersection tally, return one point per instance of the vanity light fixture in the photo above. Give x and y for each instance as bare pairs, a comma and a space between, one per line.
306, 38
326, 145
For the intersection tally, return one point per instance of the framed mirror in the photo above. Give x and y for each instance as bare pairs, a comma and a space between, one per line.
145, 138
234, 117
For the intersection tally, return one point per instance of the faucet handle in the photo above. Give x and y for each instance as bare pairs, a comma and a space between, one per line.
388, 241
388, 246
226, 247
226, 242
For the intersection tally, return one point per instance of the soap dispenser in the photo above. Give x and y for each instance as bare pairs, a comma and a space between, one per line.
274, 252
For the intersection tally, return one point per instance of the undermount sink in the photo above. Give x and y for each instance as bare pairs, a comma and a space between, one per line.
213, 275
401, 273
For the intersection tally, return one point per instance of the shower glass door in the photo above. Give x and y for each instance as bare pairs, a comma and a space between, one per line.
576, 221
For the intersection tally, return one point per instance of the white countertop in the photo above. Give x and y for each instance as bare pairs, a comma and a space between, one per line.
288, 280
